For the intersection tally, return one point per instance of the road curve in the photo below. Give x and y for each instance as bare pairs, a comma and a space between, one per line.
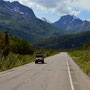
59, 72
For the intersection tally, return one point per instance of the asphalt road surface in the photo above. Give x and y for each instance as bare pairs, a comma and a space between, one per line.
59, 72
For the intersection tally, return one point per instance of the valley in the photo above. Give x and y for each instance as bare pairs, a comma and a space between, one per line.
64, 44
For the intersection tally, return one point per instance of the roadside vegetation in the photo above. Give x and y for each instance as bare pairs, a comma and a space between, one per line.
82, 57
16, 52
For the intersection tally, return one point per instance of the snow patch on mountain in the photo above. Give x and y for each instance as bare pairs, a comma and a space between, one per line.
45, 20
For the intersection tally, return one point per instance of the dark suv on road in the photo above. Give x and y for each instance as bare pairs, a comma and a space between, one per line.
39, 58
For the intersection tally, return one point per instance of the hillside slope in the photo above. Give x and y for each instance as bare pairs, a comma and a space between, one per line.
20, 21
64, 41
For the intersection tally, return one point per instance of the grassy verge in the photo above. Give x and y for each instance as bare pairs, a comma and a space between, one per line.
82, 58
15, 60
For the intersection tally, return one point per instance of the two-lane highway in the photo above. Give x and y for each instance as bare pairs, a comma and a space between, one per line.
59, 72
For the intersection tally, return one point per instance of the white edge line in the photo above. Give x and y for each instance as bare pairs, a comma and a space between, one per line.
71, 82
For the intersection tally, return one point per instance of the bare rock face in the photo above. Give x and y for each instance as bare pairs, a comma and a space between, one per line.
16, 7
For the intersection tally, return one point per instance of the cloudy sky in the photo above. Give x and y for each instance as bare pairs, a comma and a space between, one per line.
54, 9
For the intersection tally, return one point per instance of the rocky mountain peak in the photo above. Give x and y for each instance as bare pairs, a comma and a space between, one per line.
69, 18
16, 7
71, 22
16, 2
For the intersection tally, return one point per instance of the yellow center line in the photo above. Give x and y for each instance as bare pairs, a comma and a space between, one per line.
28, 79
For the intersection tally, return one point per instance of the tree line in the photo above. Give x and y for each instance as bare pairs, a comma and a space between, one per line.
13, 44
64, 41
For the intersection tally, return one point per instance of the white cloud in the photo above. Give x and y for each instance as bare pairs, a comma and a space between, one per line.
81, 4
59, 6
75, 13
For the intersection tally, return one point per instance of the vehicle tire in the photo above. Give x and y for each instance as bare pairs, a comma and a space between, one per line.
42, 62
35, 62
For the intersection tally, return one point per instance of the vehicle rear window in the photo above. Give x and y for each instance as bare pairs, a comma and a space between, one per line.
39, 55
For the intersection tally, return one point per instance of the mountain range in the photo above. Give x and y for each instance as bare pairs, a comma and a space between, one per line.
20, 20
72, 23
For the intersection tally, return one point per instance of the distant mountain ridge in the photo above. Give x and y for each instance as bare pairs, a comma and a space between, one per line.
16, 7
72, 23
20, 21
64, 41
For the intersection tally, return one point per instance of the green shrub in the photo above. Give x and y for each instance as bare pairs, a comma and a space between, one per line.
14, 60
82, 58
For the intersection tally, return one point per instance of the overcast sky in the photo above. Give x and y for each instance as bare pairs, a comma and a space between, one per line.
54, 9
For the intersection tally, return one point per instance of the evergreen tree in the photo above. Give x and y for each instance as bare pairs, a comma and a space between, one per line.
6, 45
